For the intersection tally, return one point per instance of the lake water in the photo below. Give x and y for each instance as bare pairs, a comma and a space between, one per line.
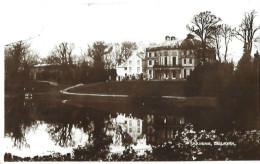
52, 128
38, 128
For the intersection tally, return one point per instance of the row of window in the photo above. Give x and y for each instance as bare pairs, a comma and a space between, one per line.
165, 61
130, 62
138, 130
130, 69
151, 54
130, 122
187, 60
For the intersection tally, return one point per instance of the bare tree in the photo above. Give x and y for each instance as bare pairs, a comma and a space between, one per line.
19, 59
83, 58
247, 30
62, 54
126, 51
98, 51
202, 26
216, 36
227, 34
110, 59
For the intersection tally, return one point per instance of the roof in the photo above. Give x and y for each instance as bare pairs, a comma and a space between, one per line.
41, 65
190, 43
123, 65
141, 55
166, 45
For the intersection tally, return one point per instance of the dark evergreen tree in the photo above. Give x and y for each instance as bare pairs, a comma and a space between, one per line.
97, 52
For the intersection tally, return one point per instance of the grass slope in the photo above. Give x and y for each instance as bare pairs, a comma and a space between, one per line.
140, 88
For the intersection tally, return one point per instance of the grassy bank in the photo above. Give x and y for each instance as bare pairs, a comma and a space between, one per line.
140, 88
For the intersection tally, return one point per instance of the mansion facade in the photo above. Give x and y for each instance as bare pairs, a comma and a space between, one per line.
169, 60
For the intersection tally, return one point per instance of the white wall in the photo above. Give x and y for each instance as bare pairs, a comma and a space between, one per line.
132, 64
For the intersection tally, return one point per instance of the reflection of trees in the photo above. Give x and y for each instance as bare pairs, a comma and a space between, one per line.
17, 121
64, 120
127, 140
98, 147
94, 123
61, 134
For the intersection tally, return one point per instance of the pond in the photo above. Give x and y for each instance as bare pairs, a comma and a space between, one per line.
44, 130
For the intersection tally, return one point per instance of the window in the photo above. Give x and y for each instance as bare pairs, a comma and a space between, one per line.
150, 54
155, 54
150, 62
184, 61
130, 123
165, 60
174, 61
138, 130
138, 69
125, 68
130, 69
130, 62
130, 129
185, 75
138, 62
150, 72
138, 123
174, 73
190, 61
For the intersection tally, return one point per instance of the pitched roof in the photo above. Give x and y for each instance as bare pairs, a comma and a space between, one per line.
122, 65
168, 44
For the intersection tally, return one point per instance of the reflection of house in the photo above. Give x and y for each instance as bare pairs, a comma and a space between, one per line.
134, 127
169, 60
161, 128
128, 124
46, 72
132, 68
131, 125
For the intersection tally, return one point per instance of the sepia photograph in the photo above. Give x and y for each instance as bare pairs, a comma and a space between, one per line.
130, 80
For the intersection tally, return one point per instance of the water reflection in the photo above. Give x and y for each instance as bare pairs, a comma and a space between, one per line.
18, 120
45, 130
104, 132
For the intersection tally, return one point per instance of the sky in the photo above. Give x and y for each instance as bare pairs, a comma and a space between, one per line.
46, 23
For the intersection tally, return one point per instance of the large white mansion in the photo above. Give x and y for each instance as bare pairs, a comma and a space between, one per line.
168, 60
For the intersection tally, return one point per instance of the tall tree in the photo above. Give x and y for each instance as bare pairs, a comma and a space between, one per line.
110, 58
62, 55
19, 59
202, 25
216, 36
126, 51
97, 52
227, 34
247, 30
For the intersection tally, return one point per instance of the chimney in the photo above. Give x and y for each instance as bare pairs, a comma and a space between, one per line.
173, 38
167, 38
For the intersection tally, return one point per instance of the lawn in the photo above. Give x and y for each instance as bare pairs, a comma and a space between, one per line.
140, 88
